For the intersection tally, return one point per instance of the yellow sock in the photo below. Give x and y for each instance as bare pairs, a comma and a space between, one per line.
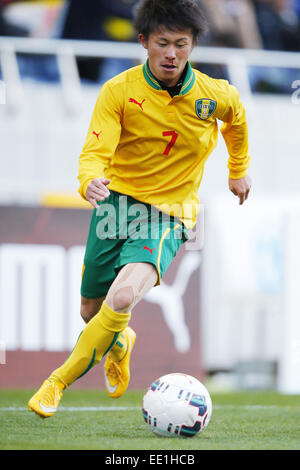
97, 338
119, 349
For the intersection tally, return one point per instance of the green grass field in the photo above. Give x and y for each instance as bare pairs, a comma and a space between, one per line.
91, 420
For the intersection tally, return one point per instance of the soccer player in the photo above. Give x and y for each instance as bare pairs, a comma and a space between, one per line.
151, 132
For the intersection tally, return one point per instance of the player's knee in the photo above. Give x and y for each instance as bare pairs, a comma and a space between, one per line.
123, 299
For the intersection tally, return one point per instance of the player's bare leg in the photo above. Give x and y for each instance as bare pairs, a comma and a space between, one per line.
98, 337
126, 291
90, 307
130, 286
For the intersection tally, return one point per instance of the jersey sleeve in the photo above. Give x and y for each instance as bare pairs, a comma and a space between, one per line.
102, 138
235, 134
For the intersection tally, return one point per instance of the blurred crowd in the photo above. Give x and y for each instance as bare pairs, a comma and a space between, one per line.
268, 24
253, 24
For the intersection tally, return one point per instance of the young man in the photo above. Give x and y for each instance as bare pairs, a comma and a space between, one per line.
152, 129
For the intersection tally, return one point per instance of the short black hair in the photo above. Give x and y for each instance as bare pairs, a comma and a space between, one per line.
175, 15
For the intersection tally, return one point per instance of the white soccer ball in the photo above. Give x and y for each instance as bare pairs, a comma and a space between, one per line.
177, 405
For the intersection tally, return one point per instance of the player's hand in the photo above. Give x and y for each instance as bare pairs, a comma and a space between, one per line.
97, 191
240, 188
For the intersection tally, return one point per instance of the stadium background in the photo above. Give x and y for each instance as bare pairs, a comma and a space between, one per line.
228, 310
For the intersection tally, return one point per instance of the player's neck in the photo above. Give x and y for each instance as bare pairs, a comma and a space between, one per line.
173, 90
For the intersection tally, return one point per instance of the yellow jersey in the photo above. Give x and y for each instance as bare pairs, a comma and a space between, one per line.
154, 147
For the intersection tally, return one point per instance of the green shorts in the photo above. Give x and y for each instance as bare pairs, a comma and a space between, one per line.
122, 231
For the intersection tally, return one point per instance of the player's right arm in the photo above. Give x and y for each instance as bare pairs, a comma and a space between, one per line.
97, 191
100, 144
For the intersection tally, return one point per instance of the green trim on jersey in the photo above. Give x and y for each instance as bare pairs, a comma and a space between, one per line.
187, 84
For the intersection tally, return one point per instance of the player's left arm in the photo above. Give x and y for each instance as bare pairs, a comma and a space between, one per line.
235, 133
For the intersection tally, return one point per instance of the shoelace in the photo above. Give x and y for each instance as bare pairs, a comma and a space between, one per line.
115, 372
51, 389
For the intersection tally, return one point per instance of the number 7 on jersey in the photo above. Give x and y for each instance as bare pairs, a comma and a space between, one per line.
174, 136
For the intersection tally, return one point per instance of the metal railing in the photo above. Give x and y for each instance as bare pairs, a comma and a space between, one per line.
66, 51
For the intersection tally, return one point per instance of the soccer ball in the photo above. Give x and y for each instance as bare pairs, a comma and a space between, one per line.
177, 405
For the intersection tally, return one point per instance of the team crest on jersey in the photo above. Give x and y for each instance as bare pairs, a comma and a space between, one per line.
205, 108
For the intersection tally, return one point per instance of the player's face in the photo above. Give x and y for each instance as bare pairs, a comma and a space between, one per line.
168, 53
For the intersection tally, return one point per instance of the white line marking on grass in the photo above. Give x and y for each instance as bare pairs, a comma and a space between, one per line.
75, 409
78, 408
255, 407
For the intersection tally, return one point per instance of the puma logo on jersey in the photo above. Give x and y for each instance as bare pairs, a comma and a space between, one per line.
149, 249
132, 100
97, 135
